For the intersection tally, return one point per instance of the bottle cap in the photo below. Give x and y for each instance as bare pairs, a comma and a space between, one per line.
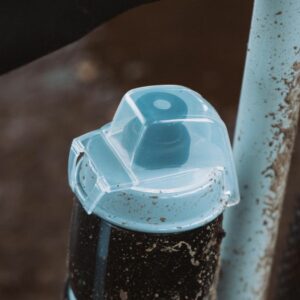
164, 164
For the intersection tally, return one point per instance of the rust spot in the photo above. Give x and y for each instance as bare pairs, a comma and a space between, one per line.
296, 67
284, 132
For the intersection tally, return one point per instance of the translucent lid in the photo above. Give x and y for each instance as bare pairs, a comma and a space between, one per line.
164, 140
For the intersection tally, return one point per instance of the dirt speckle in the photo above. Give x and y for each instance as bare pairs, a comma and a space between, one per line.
123, 295
284, 131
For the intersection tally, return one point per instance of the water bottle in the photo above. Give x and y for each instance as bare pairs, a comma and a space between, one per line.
150, 190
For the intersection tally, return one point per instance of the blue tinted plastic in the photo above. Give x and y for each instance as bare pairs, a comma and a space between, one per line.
166, 145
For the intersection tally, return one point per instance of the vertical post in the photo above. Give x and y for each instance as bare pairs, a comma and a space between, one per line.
264, 139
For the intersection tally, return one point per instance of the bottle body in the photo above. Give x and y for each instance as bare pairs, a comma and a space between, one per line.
109, 262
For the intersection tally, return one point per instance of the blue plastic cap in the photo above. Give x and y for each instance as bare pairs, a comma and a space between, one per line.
164, 144
164, 164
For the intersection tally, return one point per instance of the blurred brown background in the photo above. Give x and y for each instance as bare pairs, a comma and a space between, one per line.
200, 44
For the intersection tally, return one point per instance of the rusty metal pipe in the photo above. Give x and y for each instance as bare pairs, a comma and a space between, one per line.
264, 139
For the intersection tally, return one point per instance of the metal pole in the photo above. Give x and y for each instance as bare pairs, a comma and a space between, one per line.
264, 139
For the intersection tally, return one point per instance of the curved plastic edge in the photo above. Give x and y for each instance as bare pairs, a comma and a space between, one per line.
146, 212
